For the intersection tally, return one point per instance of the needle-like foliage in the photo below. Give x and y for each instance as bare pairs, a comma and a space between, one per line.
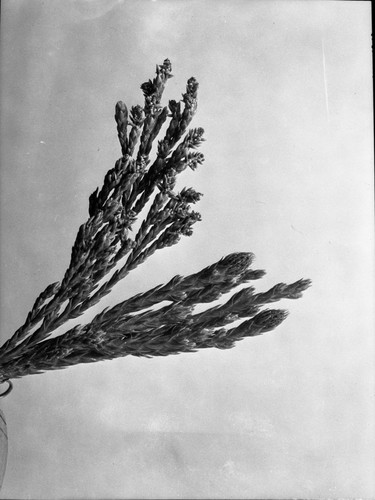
106, 250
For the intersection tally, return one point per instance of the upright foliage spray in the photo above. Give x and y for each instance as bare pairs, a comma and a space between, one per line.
106, 250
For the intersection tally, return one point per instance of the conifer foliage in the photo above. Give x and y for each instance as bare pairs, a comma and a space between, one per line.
107, 248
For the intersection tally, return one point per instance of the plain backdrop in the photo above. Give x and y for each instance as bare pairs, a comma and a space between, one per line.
286, 103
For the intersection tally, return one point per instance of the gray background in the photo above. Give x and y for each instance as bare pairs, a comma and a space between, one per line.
285, 99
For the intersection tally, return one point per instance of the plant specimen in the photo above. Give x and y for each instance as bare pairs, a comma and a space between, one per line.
106, 250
